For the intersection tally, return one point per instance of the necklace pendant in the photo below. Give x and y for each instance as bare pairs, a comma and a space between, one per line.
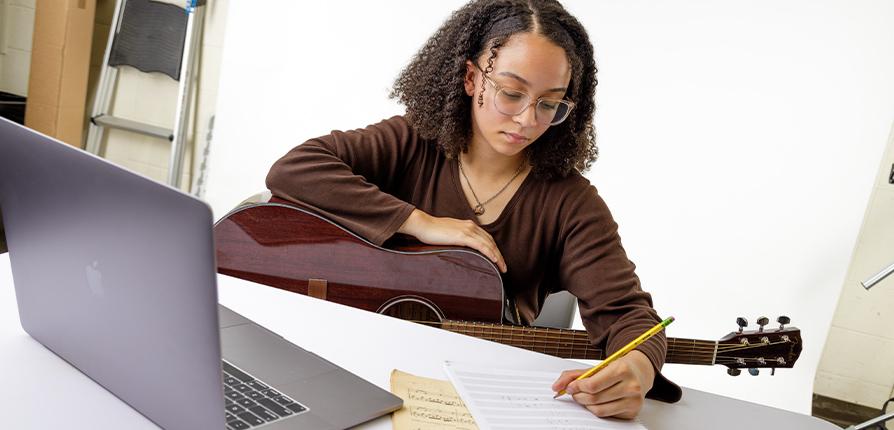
479, 210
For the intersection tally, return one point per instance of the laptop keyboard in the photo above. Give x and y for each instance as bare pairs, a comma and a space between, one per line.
251, 403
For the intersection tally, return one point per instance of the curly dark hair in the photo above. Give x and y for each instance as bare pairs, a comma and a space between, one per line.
438, 108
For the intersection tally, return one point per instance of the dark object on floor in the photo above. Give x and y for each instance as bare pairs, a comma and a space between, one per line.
840, 412
12, 107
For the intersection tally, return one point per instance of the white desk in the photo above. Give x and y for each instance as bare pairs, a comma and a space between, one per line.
42, 391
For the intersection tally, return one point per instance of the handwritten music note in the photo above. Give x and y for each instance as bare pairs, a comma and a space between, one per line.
503, 399
429, 404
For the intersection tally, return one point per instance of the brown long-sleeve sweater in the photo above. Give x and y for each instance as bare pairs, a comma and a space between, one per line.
554, 235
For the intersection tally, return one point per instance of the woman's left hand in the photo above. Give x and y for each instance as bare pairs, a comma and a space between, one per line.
617, 391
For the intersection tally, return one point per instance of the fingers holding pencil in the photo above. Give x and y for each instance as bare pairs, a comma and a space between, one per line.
566, 378
621, 352
617, 391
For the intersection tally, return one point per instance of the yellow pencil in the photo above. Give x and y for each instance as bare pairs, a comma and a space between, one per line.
622, 352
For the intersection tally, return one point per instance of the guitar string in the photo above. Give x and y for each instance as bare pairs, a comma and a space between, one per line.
705, 347
542, 331
673, 350
586, 350
581, 338
672, 355
531, 340
534, 331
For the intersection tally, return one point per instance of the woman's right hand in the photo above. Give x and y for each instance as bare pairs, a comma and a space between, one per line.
451, 231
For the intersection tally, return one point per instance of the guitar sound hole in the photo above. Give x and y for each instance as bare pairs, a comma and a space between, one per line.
412, 309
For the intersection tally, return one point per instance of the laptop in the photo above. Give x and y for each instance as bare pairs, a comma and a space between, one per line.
115, 273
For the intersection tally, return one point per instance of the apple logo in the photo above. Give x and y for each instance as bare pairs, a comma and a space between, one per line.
94, 279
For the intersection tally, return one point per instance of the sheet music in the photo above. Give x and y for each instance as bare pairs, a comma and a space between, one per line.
504, 399
429, 404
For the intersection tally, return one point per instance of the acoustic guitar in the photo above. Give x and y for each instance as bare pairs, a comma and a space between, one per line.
279, 244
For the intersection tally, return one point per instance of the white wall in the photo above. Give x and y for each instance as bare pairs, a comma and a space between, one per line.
739, 140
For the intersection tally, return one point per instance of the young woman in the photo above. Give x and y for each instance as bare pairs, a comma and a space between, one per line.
490, 155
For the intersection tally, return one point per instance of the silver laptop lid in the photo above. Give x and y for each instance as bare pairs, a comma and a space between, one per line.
115, 274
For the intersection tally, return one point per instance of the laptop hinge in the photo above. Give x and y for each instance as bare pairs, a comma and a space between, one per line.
316, 288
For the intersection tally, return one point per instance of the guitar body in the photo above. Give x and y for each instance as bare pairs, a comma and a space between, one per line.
283, 246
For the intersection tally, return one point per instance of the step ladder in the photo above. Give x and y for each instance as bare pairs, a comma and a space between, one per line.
151, 36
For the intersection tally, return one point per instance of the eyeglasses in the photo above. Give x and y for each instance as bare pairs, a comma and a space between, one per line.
513, 102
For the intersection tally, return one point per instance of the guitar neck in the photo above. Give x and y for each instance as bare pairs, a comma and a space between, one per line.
574, 344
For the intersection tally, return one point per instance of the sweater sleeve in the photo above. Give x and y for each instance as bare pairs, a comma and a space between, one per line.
347, 177
595, 268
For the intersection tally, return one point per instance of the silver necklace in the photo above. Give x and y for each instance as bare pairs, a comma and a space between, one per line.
479, 208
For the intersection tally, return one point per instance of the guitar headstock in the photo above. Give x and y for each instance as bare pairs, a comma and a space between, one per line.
766, 347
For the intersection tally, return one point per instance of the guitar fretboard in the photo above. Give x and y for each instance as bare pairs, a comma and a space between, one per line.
566, 343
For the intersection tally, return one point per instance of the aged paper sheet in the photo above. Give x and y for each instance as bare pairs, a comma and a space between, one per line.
428, 404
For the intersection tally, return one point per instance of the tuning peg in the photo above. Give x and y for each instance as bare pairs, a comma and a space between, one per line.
742, 323
783, 320
762, 321
733, 371
753, 372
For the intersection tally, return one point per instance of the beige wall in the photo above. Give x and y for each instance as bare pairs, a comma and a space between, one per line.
16, 29
152, 98
857, 364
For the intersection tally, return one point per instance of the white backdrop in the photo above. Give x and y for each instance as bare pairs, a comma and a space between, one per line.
739, 140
